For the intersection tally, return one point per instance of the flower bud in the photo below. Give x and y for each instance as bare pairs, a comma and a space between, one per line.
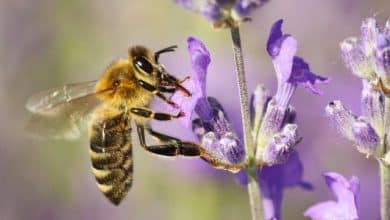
212, 12
366, 138
281, 145
273, 121
258, 106
382, 63
342, 118
355, 59
369, 31
373, 107
231, 148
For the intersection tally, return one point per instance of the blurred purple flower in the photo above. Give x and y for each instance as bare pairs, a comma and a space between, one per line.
222, 13
369, 56
245, 7
369, 59
212, 126
345, 207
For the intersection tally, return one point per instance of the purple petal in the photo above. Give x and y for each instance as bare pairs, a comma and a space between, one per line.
245, 7
242, 177
210, 10
282, 49
187, 4
283, 62
186, 104
317, 212
200, 59
301, 74
345, 207
275, 178
275, 38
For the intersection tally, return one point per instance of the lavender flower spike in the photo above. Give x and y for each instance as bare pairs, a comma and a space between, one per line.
345, 207
212, 126
369, 57
291, 71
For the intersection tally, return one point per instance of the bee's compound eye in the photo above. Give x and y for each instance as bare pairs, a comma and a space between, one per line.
142, 64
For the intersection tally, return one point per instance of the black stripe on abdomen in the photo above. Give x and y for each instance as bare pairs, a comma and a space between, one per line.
111, 156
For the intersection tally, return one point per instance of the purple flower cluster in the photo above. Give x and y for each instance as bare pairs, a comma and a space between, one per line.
212, 126
222, 13
346, 205
274, 127
368, 58
274, 130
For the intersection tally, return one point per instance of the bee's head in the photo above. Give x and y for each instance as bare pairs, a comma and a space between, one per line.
147, 68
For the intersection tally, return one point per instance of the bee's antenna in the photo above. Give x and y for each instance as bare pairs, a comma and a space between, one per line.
165, 50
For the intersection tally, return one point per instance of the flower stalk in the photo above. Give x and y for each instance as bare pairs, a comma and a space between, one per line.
385, 190
253, 186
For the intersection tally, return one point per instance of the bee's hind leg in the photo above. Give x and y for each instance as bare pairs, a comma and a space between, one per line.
171, 146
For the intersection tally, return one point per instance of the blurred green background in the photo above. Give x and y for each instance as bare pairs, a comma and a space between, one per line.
47, 43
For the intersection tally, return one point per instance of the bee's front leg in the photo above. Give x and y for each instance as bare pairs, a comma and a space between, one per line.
157, 91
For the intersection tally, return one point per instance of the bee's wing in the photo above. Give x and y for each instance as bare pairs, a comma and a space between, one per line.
60, 113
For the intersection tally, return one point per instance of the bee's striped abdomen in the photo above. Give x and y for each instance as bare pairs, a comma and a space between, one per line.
111, 155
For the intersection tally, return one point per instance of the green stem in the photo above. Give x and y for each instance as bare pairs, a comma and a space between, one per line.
385, 190
253, 186
255, 199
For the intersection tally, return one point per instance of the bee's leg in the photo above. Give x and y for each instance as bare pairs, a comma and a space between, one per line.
167, 89
174, 147
146, 113
171, 147
156, 91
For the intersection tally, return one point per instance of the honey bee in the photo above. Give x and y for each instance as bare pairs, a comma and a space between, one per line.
110, 105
